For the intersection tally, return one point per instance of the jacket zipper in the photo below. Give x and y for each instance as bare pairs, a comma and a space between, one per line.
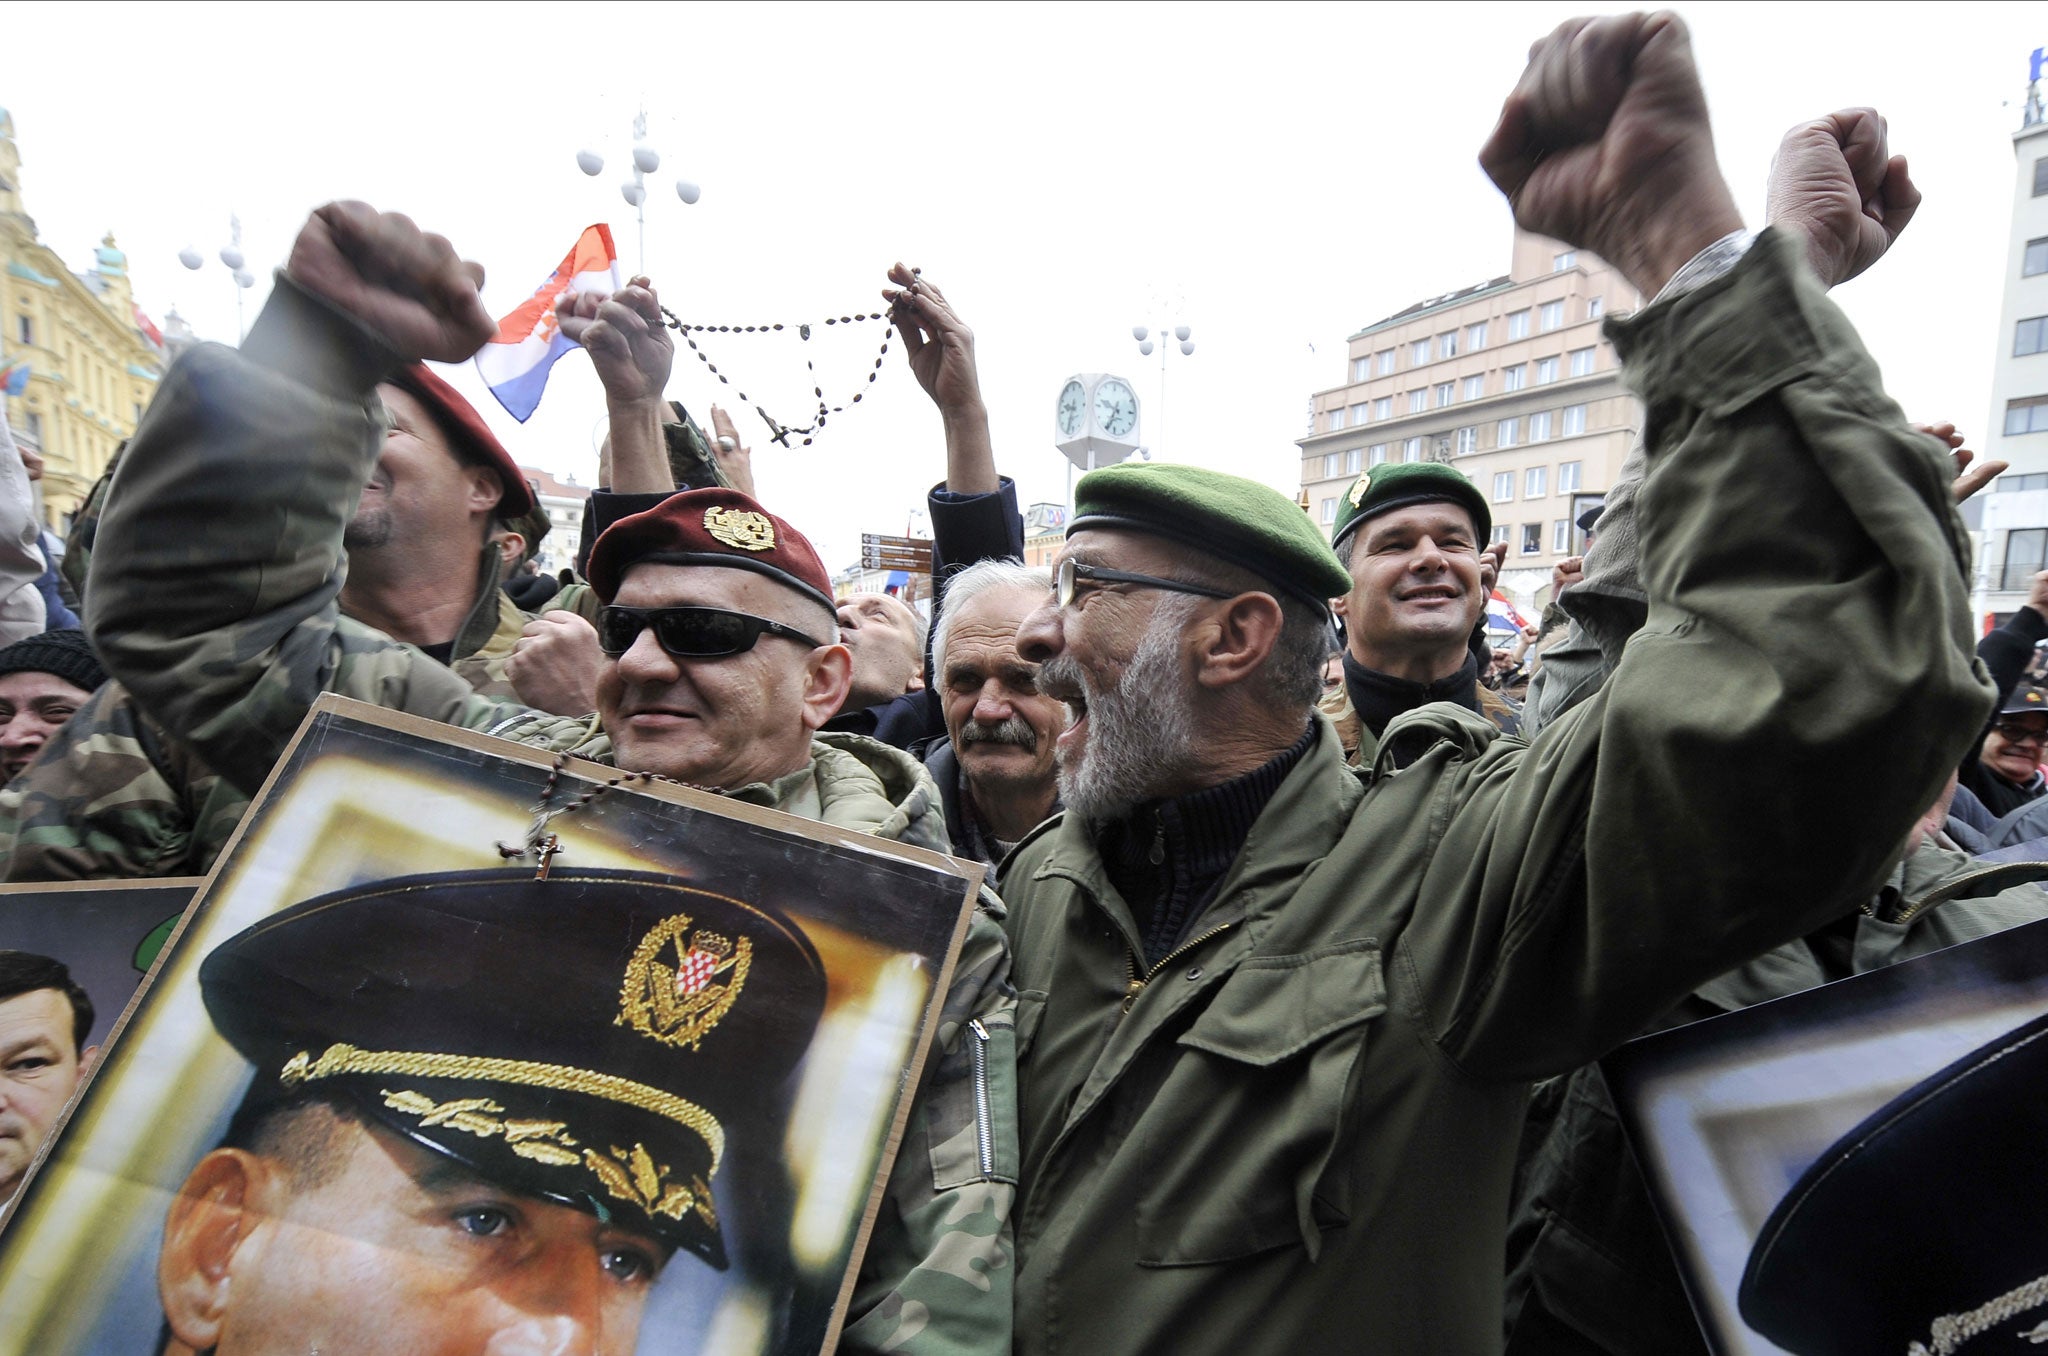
1132, 983
1947, 890
984, 1133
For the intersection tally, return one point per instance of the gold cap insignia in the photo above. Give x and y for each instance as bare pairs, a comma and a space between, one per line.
740, 528
679, 1004
1358, 490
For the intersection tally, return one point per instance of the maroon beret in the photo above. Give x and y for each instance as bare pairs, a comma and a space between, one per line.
466, 429
715, 526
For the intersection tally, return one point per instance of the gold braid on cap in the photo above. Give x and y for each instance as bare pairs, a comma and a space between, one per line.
339, 1060
1950, 1332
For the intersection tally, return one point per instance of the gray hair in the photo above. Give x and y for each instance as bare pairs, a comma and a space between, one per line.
986, 576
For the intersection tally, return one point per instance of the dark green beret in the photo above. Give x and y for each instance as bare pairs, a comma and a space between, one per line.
1240, 521
1407, 483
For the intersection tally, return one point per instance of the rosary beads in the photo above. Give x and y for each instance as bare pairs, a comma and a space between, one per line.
778, 430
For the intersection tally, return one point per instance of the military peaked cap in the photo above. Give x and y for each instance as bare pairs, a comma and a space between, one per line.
1405, 484
714, 526
1239, 521
595, 1039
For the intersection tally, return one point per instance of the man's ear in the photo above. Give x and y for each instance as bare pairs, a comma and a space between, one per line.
484, 489
1240, 636
210, 1218
828, 677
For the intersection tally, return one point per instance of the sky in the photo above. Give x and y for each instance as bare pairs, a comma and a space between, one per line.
1274, 176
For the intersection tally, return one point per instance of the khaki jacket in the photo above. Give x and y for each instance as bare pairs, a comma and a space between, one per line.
1296, 1134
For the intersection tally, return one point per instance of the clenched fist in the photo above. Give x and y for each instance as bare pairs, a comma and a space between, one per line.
407, 285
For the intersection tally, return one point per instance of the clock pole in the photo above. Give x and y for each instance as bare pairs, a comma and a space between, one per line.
1180, 334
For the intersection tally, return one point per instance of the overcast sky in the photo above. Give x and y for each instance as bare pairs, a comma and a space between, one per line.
1274, 176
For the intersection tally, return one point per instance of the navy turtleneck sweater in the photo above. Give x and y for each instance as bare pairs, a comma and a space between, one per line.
1379, 697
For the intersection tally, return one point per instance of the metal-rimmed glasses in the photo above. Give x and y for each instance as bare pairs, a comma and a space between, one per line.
691, 632
1070, 572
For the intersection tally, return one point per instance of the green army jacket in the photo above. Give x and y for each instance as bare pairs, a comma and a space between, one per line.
113, 796
1296, 1134
233, 657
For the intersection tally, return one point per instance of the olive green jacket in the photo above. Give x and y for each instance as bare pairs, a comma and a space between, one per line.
232, 658
1296, 1134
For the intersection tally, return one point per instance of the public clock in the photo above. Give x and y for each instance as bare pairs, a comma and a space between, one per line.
1073, 409
1116, 408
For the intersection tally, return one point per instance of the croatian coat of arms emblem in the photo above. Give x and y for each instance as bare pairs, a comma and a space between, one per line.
681, 983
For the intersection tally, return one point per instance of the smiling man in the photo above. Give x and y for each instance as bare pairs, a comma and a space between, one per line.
43, 682
44, 1020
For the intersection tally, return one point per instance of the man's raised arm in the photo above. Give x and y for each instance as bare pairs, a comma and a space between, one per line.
219, 557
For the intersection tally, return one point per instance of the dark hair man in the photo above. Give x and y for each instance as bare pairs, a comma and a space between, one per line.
43, 681
44, 1020
1283, 1016
723, 663
995, 766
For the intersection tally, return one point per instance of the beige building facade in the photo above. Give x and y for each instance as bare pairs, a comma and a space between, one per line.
1509, 381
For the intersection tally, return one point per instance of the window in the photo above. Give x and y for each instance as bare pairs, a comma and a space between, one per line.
1561, 535
1377, 456
1333, 464
2035, 260
1468, 440
2041, 177
35, 427
1594, 307
1444, 391
1358, 415
1336, 420
1386, 361
1499, 535
1582, 362
1567, 477
24, 329
1569, 259
1418, 400
1418, 353
1447, 345
1532, 483
1514, 378
1552, 316
1504, 433
2030, 337
1361, 368
2037, 480
1475, 387
1329, 511
1546, 371
1539, 427
1412, 450
1518, 325
1475, 335
1532, 539
1383, 408
2028, 415
1503, 486
1574, 420
2024, 550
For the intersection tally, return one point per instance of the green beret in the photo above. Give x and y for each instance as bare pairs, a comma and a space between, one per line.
1405, 484
1240, 521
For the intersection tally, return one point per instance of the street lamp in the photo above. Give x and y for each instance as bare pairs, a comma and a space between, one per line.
1165, 341
646, 160
230, 255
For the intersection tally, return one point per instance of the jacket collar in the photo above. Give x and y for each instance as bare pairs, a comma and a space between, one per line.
487, 618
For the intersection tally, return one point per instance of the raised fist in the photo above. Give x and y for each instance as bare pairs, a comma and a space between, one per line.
1605, 144
1835, 181
407, 285
629, 345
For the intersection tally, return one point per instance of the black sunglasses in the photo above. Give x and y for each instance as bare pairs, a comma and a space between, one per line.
691, 632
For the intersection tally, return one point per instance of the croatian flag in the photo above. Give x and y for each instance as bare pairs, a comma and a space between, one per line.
1501, 614
515, 363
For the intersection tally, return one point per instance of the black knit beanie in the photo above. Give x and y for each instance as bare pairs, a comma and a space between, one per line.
67, 654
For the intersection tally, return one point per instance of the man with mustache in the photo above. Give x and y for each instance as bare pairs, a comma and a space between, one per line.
1279, 1015
995, 766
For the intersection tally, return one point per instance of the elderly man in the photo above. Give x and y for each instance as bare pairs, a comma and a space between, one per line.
1278, 1016
44, 1021
724, 664
43, 681
118, 797
1412, 536
888, 640
995, 766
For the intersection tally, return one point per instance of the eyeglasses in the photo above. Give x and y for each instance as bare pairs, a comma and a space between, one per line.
690, 632
1071, 572
2012, 732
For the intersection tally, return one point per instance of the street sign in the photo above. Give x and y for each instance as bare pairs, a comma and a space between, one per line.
913, 554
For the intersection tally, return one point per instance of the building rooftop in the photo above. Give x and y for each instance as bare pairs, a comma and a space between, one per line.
552, 488
1420, 308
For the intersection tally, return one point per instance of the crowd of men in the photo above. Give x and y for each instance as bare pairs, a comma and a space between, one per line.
1290, 908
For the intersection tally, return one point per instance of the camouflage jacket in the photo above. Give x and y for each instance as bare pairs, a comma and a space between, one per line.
113, 796
233, 657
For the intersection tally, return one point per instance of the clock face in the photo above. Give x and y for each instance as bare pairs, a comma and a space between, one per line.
1072, 410
1116, 409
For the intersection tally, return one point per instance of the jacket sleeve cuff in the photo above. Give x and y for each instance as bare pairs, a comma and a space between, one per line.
302, 337
967, 528
607, 507
2028, 625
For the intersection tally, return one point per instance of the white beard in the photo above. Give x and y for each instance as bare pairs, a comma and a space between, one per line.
1141, 733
